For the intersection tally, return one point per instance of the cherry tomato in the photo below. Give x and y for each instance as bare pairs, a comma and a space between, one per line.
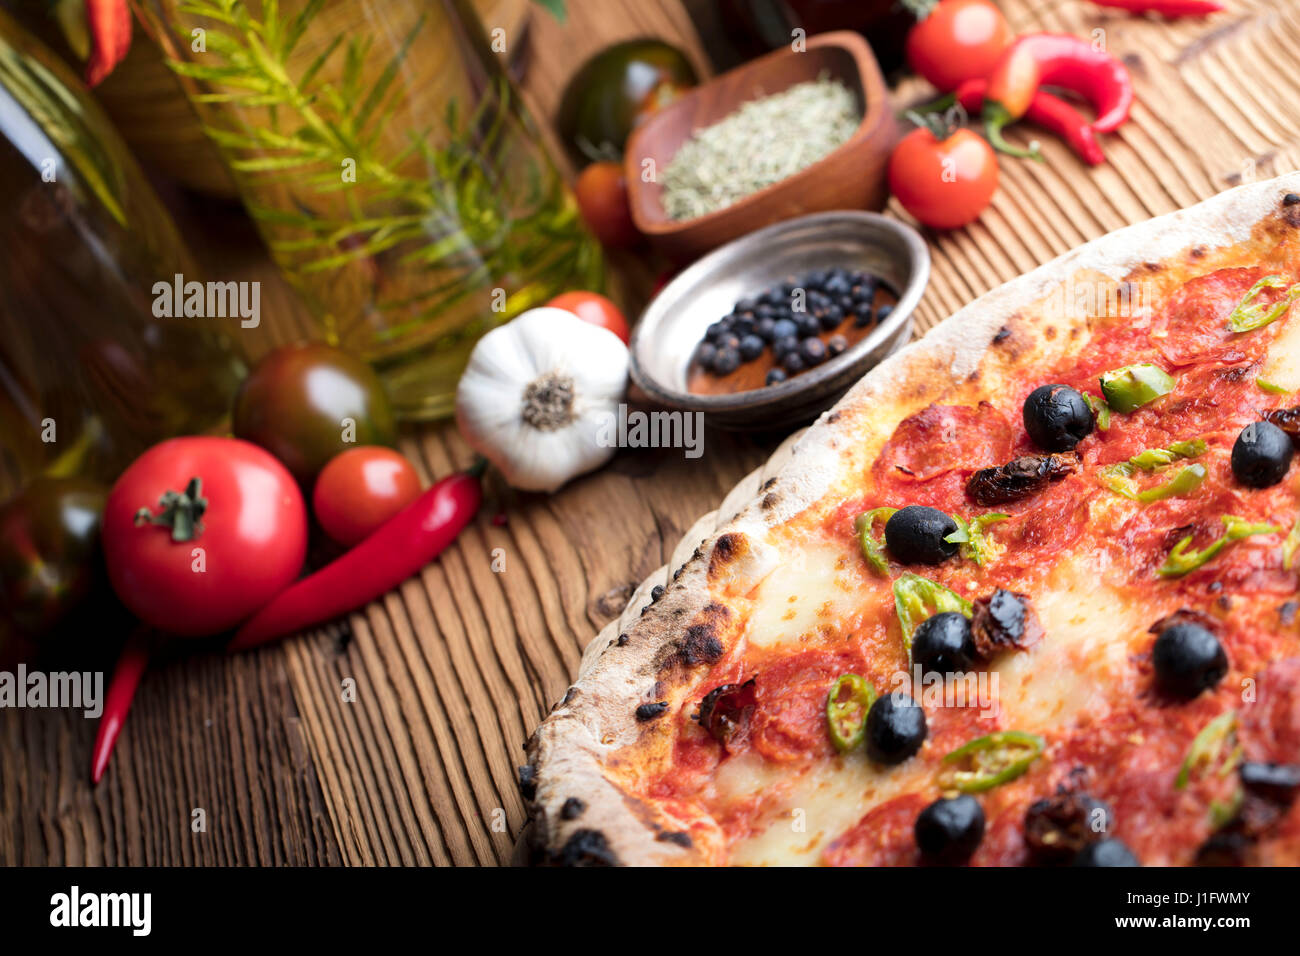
201, 532
594, 308
307, 403
361, 489
960, 40
945, 183
601, 191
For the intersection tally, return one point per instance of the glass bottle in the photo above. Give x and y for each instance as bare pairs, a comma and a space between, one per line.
89, 376
391, 168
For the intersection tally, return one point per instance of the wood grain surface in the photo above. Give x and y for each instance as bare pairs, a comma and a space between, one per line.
455, 668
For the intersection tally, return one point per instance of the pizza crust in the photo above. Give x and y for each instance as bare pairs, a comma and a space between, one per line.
657, 649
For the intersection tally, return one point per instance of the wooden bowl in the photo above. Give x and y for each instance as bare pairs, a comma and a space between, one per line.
851, 177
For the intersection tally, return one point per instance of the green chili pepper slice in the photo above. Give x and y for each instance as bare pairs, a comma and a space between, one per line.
1099, 409
970, 536
1272, 388
917, 598
1118, 478
1289, 547
1181, 561
987, 762
846, 711
1250, 315
1179, 486
1206, 748
873, 549
1129, 388
1223, 812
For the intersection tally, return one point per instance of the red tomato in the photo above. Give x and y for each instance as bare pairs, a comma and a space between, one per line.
361, 489
945, 183
594, 308
247, 545
601, 191
960, 40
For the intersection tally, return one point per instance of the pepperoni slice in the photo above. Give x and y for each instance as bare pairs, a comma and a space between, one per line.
944, 438
1193, 327
789, 721
881, 838
1269, 726
1208, 399
792, 726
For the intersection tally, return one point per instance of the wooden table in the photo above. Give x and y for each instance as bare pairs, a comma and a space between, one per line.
455, 668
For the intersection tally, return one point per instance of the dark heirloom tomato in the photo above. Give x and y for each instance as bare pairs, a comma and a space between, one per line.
615, 90
49, 551
197, 557
307, 403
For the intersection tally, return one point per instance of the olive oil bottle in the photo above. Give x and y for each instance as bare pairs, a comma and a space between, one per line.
392, 169
89, 376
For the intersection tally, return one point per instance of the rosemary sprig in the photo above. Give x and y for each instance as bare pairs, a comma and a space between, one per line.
283, 124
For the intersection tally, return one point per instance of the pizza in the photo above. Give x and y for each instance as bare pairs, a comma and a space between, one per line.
1028, 594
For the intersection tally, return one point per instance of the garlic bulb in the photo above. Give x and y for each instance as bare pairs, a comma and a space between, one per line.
536, 393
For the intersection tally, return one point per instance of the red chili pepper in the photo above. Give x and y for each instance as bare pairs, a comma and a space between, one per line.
1048, 111
109, 22
1166, 8
1055, 59
117, 702
397, 549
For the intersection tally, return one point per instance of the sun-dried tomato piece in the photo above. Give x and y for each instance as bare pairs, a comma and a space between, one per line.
1018, 478
725, 711
1058, 827
1002, 621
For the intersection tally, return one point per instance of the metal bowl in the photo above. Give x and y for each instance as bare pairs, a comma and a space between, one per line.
674, 322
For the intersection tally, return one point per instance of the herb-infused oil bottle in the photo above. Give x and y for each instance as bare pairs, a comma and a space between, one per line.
391, 168
89, 376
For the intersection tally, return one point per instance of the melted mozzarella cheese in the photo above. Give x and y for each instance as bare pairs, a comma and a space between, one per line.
1090, 630
1089, 633
813, 589
805, 811
1282, 364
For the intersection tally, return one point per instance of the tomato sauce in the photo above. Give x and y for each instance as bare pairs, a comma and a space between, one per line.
1130, 753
